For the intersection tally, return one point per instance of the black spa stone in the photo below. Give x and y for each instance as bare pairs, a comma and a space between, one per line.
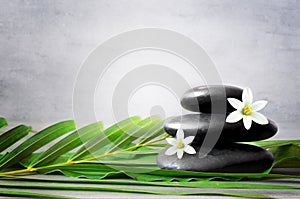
199, 99
198, 124
233, 158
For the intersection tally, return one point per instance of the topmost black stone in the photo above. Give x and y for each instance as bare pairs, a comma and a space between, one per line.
200, 99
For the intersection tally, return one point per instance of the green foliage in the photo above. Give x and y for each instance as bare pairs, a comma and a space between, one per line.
286, 152
3, 123
75, 139
126, 150
35, 142
106, 138
125, 140
12, 136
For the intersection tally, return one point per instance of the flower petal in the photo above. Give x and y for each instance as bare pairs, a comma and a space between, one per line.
259, 118
247, 96
171, 141
258, 105
233, 117
247, 120
179, 153
180, 134
170, 151
235, 103
188, 140
189, 149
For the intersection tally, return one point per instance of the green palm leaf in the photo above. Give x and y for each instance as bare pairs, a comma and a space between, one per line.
22, 193
286, 156
3, 123
146, 126
129, 190
35, 142
12, 136
125, 150
274, 143
68, 143
108, 136
118, 141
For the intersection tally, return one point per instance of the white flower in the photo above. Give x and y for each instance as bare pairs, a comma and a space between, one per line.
247, 110
180, 144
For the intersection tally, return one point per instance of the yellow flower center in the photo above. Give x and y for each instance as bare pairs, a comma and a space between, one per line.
247, 110
180, 145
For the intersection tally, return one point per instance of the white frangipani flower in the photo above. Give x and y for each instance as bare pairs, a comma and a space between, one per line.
247, 110
180, 144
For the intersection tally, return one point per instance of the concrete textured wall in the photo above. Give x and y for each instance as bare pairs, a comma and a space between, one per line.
43, 43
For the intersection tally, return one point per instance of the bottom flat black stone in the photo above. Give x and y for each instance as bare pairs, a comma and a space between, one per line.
233, 158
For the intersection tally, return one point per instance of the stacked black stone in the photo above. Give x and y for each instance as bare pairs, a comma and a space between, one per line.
227, 155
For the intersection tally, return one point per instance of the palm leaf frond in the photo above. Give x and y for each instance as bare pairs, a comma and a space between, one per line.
68, 143
126, 150
95, 142
12, 136
35, 142
3, 122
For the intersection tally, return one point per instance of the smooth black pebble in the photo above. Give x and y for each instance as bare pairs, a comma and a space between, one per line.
198, 124
234, 158
199, 99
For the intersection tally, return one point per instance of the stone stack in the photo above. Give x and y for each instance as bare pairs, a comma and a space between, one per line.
227, 155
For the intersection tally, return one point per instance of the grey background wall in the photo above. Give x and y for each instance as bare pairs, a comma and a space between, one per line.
43, 43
